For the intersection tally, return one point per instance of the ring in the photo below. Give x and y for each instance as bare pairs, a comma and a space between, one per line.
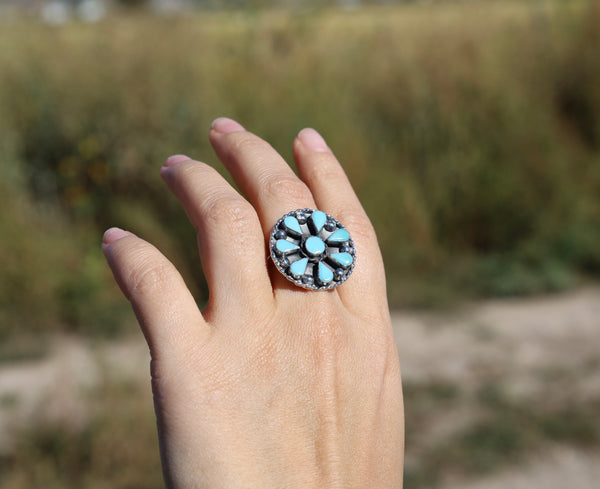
312, 249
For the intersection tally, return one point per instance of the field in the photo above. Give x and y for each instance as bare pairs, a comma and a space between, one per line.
471, 132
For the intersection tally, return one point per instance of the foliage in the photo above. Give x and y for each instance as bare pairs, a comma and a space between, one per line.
470, 131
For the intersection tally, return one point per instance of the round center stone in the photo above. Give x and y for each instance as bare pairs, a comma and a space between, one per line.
314, 246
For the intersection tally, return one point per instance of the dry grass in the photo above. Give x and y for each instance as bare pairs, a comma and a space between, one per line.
470, 131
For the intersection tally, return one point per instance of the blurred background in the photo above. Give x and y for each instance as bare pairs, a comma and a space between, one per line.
471, 132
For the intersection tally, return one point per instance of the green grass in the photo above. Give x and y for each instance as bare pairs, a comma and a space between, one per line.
470, 131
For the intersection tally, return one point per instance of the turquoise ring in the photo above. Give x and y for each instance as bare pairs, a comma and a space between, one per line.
312, 249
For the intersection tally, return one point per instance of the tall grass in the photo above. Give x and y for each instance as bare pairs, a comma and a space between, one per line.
470, 131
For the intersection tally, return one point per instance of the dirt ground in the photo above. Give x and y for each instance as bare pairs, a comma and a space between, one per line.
543, 349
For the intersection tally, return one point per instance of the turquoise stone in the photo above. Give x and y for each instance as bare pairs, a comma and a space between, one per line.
318, 218
343, 259
299, 267
314, 246
325, 273
339, 236
292, 225
285, 247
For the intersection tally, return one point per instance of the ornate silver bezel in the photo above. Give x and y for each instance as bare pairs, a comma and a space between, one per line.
310, 279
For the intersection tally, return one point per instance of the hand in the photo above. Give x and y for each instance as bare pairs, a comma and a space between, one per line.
271, 386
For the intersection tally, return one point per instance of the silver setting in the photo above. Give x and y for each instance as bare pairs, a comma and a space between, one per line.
291, 250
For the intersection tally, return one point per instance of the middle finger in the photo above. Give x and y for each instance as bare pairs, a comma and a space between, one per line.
261, 173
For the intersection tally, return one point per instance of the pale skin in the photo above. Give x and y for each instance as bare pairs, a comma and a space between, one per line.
271, 385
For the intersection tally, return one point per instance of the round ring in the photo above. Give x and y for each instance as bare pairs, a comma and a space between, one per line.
312, 249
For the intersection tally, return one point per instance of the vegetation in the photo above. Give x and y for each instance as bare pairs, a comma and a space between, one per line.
470, 131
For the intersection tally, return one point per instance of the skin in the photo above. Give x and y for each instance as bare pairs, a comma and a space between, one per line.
270, 386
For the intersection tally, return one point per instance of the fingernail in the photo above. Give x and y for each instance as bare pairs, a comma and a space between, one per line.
113, 234
312, 140
225, 125
172, 160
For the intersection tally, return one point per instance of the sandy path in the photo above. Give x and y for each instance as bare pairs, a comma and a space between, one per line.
516, 340
557, 468
543, 350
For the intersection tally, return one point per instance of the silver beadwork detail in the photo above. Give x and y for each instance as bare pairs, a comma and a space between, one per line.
314, 264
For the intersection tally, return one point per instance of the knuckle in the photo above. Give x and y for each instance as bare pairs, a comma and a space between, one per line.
230, 213
188, 172
190, 169
149, 276
288, 187
247, 144
324, 169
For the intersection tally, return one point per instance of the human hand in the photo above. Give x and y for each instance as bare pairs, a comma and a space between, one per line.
271, 385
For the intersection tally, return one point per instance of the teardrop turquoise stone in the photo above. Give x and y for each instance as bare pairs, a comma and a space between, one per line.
344, 259
284, 246
318, 218
325, 273
314, 246
292, 224
339, 236
299, 267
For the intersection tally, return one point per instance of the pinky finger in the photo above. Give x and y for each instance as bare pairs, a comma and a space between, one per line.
165, 308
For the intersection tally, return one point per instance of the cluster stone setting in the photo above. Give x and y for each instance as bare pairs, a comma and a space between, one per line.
312, 249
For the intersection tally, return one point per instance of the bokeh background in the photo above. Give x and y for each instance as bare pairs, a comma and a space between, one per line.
471, 132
